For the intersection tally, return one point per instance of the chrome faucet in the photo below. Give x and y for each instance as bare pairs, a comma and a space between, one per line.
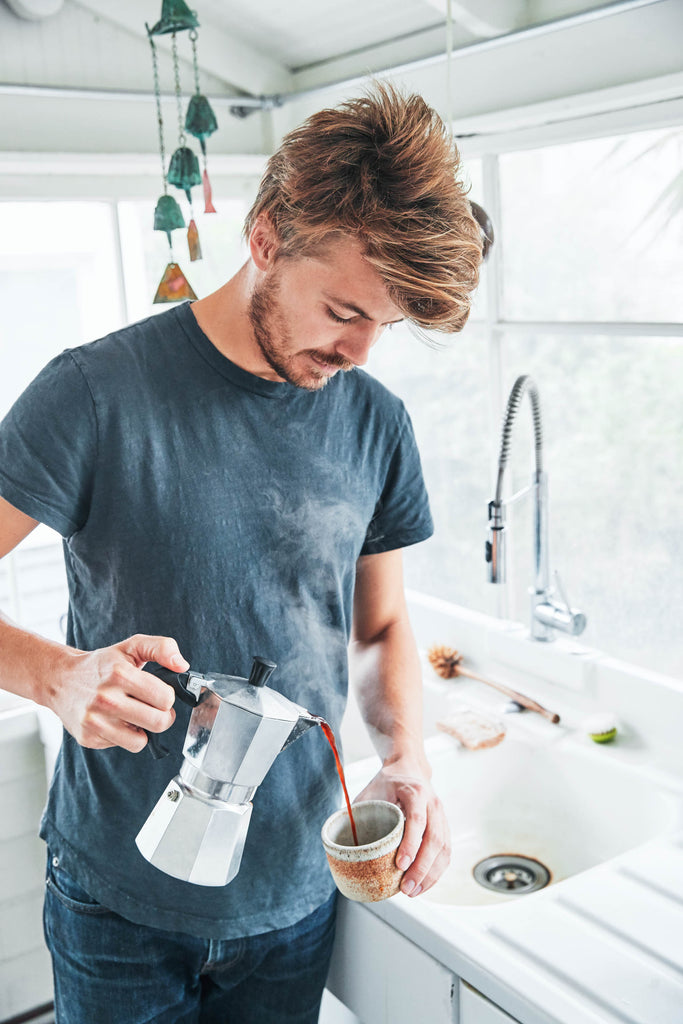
547, 614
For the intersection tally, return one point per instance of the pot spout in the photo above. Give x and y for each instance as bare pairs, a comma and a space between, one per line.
306, 720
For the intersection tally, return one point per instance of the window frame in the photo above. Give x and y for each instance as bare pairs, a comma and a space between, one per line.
488, 148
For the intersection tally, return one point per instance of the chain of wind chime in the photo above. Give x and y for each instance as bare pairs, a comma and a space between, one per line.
183, 171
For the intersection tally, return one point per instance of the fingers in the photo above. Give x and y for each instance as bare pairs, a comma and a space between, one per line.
114, 715
424, 853
144, 686
99, 732
162, 649
433, 855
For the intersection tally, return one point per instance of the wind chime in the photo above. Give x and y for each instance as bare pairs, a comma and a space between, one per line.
183, 170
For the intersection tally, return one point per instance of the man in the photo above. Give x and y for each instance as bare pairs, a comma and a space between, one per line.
228, 483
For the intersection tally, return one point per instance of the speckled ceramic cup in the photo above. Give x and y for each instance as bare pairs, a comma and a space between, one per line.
367, 872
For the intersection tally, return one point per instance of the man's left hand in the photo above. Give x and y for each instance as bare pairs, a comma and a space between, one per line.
425, 849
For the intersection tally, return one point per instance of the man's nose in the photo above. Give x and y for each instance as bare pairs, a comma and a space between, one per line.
357, 340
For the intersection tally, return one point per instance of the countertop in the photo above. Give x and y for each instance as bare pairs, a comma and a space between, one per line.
600, 947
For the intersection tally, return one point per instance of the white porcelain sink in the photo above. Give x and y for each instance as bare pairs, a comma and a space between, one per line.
566, 803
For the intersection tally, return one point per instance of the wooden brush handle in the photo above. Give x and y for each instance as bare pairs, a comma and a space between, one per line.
526, 702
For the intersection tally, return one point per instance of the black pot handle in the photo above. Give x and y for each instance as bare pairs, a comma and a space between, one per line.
188, 695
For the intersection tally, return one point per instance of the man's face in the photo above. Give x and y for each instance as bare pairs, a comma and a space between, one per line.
312, 317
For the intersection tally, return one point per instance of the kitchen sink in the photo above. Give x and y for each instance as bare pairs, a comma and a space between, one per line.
563, 804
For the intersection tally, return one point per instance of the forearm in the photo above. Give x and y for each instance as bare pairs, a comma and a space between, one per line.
386, 674
29, 663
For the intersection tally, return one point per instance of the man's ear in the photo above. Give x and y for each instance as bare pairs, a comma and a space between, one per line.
263, 242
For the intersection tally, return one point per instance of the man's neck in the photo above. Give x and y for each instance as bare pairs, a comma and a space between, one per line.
224, 318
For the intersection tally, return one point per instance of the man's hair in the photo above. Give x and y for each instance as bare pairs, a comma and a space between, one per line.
382, 169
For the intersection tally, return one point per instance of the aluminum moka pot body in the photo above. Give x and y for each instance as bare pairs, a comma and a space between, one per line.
198, 827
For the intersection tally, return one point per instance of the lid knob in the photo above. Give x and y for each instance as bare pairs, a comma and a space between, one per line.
261, 671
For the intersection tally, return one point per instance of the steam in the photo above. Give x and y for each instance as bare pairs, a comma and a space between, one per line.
318, 545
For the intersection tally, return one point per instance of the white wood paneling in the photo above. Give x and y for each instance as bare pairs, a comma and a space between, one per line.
226, 55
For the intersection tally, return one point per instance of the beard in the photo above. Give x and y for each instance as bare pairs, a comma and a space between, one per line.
274, 339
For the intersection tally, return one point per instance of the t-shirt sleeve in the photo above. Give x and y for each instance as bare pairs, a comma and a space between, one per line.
48, 447
402, 516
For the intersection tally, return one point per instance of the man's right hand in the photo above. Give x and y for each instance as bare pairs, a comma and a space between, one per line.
105, 699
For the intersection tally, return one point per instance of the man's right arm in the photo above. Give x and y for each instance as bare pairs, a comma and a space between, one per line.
103, 697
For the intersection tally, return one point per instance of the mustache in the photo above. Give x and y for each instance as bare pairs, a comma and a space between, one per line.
331, 358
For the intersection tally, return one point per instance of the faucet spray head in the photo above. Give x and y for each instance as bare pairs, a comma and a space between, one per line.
495, 545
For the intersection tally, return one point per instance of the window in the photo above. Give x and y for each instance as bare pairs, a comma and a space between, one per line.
591, 230
584, 294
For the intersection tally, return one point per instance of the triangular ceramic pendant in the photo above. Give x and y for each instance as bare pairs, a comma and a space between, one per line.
174, 286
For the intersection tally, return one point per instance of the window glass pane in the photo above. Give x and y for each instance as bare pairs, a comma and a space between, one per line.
593, 230
59, 285
613, 442
446, 393
146, 254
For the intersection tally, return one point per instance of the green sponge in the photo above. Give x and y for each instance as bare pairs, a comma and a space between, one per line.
601, 728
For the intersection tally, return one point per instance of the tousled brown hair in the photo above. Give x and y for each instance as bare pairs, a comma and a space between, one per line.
383, 169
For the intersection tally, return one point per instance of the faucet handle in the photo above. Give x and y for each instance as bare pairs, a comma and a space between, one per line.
562, 592
550, 613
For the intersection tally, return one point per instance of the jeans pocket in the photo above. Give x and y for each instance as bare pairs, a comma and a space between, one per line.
72, 895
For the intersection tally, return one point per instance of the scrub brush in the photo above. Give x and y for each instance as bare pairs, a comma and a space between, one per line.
602, 727
446, 662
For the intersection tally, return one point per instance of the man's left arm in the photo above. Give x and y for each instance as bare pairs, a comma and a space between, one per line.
385, 671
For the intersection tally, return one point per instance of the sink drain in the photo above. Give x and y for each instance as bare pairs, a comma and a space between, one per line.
510, 873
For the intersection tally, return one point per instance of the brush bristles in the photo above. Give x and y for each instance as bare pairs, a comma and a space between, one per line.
444, 660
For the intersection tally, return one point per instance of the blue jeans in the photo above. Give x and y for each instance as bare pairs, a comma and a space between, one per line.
110, 971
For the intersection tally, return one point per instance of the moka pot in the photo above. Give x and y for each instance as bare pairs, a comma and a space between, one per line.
197, 830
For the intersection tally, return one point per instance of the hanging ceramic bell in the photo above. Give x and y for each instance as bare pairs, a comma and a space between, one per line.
174, 286
176, 16
200, 121
183, 171
168, 216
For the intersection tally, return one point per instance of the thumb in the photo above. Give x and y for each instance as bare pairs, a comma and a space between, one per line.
162, 649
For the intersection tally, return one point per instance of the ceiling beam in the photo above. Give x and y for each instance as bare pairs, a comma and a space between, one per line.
485, 18
228, 58
373, 59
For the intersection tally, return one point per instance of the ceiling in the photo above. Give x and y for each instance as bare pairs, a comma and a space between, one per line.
60, 59
272, 47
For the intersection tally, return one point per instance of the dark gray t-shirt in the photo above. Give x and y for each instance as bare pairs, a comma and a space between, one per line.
201, 502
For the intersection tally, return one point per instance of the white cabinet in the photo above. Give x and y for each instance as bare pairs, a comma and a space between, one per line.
381, 977
476, 1009
384, 978
25, 971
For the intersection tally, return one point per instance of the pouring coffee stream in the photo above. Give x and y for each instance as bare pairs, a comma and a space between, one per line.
329, 736
238, 726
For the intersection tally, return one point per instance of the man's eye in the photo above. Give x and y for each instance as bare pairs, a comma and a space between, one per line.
338, 319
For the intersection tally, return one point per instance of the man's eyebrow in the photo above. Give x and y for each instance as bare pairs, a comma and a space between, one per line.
356, 309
